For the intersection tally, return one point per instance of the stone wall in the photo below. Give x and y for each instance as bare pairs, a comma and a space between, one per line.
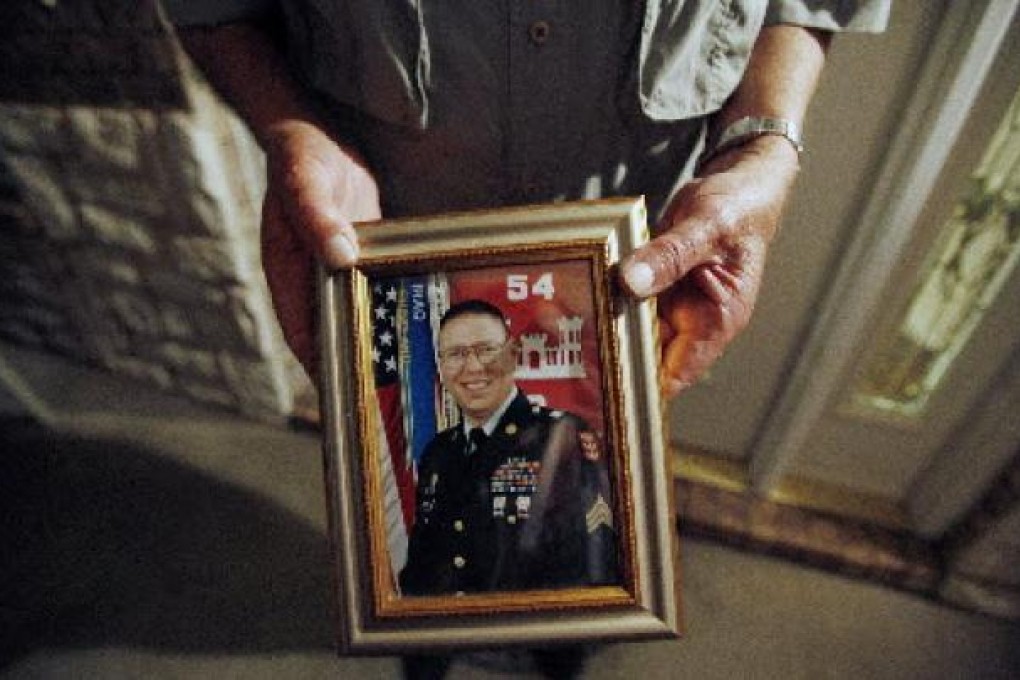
129, 200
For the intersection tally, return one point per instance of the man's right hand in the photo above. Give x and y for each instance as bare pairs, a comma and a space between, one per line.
315, 191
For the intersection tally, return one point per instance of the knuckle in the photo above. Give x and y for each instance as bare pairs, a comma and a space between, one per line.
720, 211
671, 258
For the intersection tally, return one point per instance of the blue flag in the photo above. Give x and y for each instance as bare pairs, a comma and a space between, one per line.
421, 369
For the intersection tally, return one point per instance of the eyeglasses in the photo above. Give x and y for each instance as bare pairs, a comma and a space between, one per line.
485, 352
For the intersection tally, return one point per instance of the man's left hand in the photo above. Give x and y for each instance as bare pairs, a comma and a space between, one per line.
707, 261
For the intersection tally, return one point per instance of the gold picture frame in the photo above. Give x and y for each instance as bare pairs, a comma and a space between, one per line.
554, 265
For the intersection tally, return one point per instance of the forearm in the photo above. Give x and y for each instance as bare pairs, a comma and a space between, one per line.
779, 82
708, 259
244, 65
781, 76
316, 188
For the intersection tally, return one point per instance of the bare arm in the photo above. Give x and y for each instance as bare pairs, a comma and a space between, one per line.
707, 262
316, 187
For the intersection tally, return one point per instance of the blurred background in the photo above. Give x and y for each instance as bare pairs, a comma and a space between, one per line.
865, 425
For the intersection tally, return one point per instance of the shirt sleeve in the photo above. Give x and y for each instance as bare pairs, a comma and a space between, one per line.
865, 16
205, 13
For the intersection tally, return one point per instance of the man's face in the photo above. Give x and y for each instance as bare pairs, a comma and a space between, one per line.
479, 387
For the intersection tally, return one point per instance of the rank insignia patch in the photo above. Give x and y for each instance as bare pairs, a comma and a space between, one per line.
599, 515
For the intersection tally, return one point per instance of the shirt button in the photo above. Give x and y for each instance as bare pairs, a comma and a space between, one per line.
459, 562
458, 525
539, 32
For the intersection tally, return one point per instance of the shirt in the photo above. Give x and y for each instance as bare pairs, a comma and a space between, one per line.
490, 425
461, 104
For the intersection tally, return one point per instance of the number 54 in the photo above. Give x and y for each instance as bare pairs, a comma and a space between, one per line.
517, 287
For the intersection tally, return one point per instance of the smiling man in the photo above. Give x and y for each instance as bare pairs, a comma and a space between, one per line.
515, 496
476, 360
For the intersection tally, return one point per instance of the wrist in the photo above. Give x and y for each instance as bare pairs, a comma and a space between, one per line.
302, 137
748, 130
774, 151
280, 134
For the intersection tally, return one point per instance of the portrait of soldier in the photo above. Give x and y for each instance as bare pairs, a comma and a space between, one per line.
515, 496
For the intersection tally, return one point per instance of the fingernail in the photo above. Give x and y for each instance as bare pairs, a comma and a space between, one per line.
639, 278
340, 251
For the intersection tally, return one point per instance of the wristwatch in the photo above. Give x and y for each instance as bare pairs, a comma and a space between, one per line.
752, 127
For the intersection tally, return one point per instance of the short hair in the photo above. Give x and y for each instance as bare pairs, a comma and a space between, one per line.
474, 306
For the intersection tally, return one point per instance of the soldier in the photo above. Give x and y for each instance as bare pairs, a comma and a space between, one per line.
515, 496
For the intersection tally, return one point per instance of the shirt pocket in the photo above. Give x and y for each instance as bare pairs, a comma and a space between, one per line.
372, 56
693, 54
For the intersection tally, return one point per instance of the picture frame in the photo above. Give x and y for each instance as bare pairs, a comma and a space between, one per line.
584, 354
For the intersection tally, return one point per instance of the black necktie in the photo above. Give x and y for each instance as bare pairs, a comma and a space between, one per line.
476, 440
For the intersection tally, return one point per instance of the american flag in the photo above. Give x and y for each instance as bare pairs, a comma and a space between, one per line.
396, 464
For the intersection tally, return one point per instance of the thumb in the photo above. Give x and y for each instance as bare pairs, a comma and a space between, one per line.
310, 204
660, 263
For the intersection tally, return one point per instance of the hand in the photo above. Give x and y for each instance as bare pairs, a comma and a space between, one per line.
315, 191
707, 262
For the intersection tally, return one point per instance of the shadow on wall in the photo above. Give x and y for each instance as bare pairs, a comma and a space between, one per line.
106, 544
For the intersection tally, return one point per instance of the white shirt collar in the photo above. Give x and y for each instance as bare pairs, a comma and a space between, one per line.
490, 425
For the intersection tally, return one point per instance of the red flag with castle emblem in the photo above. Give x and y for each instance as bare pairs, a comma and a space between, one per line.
550, 309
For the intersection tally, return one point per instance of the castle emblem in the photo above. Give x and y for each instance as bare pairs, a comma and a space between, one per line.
538, 360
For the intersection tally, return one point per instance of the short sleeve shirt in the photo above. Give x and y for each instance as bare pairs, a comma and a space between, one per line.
461, 104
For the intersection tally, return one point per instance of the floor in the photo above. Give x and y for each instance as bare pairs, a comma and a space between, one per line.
194, 547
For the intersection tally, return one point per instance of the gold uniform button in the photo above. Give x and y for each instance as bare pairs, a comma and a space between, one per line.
459, 562
539, 32
512, 519
458, 525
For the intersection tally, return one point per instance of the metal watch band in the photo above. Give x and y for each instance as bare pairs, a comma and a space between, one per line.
751, 127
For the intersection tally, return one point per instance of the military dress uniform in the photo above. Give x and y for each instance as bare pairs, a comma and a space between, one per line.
528, 507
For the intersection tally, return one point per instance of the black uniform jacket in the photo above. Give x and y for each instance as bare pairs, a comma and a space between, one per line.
531, 508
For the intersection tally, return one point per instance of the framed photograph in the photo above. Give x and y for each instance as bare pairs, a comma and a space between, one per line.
495, 467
